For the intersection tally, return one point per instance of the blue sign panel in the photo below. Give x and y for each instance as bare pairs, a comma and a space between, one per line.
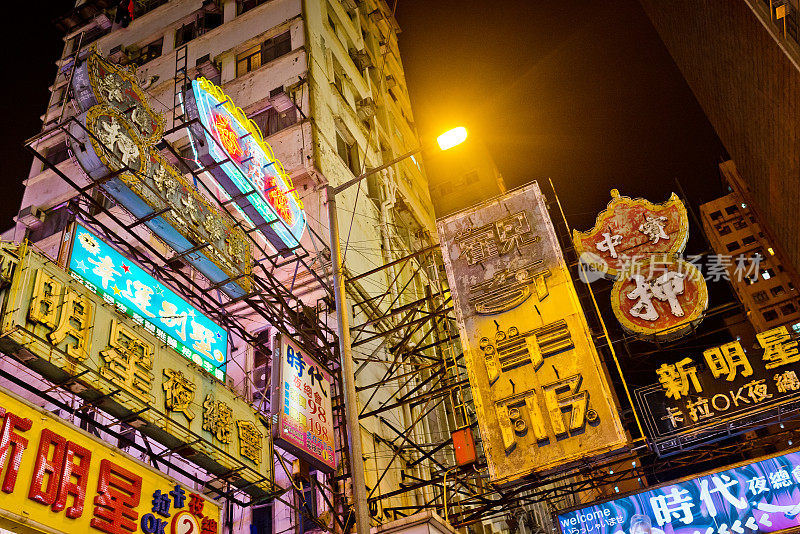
143, 298
763, 496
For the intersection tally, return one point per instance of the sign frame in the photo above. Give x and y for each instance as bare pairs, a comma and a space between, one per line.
278, 406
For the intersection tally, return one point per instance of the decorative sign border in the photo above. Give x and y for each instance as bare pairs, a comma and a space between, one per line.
244, 165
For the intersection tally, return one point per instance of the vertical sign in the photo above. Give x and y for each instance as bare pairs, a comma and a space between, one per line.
301, 405
540, 391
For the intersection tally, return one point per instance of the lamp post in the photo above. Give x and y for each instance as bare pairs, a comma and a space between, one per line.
343, 326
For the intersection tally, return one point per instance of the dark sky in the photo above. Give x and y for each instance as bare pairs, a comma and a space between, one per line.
583, 92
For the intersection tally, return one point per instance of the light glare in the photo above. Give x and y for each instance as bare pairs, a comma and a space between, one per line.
451, 138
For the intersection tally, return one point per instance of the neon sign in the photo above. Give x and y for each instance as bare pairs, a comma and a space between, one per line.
138, 295
756, 497
244, 166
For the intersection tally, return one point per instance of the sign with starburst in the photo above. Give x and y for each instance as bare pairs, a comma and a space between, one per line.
119, 281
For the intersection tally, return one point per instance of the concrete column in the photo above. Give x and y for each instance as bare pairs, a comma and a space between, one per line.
228, 10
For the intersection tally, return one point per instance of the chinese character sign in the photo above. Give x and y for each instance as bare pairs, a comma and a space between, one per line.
138, 295
539, 387
301, 393
630, 230
762, 496
721, 385
71, 335
243, 164
114, 142
69, 481
662, 298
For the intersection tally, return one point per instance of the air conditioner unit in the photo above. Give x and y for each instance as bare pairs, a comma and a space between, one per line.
349, 5
103, 21
207, 68
366, 108
116, 54
391, 82
361, 58
32, 217
281, 102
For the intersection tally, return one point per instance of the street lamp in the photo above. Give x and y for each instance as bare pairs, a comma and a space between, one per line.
454, 137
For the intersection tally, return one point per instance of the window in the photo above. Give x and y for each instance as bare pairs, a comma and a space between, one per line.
777, 290
748, 240
766, 274
309, 506
716, 215
205, 22
770, 315
263, 53
788, 309
730, 210
262, 520
338, 77
349, 154
724, 230
246, 5
740, 223
148, 52
760, 296
271, 121
733, 246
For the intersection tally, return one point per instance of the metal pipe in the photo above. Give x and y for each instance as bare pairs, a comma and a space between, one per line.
348, 376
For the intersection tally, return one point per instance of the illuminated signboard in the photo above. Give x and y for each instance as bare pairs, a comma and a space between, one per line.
244, 166
114, 142
62, 479
62, 330
660, 298
656, 295
762, 496
726, 390
630, 230
301, 405
140, 296
540, 391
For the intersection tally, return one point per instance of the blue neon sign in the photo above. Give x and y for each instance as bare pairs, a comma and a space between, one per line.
160, 311
244, 165
763, 496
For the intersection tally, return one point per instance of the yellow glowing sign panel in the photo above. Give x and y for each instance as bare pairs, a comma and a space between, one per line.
540, 391
65, 331
56, 477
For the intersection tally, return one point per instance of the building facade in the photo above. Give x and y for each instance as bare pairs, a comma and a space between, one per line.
735, 229
744, 70
324, 82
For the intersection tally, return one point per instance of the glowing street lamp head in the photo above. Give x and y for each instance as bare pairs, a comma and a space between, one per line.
451, 138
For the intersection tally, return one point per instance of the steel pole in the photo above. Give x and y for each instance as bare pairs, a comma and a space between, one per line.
348, 374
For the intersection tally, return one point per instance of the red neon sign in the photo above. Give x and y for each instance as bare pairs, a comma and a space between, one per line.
227, 135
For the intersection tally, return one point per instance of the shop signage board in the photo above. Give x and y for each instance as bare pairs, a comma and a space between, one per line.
301, 406
243, 165
630, 229
755, 497
65, 332
114, 141
662, 298
725, 388
58, 478
657, 296
541, 393
148, 302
